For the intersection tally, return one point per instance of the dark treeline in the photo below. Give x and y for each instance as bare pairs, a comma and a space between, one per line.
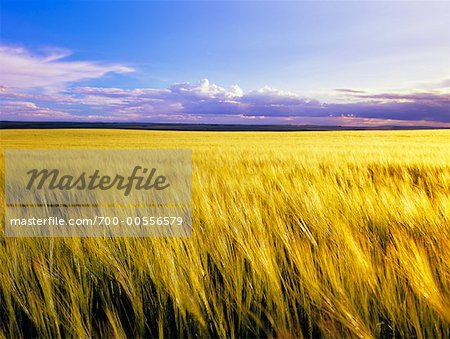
189, 127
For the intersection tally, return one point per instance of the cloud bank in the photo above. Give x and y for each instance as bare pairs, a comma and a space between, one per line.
45, 88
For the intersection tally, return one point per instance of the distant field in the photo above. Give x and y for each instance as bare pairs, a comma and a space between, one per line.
338, 234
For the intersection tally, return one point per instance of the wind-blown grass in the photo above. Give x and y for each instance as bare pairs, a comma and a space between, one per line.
295, 234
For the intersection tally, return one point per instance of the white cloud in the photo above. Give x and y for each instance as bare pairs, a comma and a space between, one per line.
207, 90
26, 110
21, 69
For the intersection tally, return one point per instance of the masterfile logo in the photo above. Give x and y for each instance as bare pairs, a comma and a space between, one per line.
53, 179
98, 192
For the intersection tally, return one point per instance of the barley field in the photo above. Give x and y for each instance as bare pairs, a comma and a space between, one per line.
299, 234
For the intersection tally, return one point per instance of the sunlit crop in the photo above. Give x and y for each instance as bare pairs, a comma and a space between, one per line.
339, 234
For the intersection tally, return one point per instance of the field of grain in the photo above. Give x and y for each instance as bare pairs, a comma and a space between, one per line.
299, 234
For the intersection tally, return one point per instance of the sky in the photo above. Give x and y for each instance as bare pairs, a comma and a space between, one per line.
350, 63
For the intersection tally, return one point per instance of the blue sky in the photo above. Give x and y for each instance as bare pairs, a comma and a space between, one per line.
325, 62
